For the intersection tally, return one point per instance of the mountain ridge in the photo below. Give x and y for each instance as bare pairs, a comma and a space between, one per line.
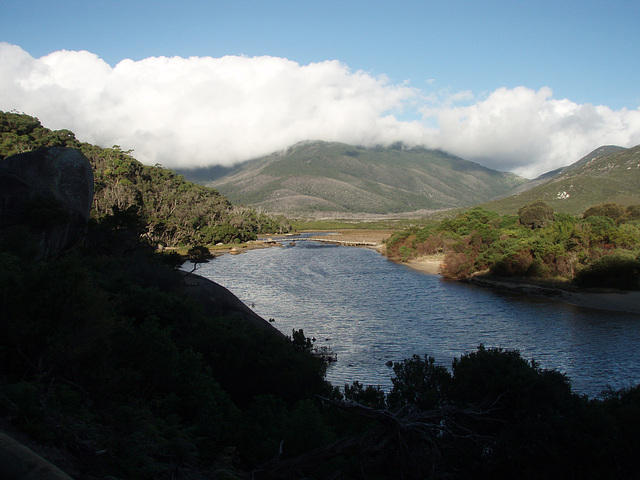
607, 174
318, 176
331, 179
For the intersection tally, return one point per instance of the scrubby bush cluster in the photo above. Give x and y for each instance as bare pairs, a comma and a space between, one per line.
601, 249
492, 414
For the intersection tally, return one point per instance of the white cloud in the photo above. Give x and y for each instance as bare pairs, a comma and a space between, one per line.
529, 133
200, 111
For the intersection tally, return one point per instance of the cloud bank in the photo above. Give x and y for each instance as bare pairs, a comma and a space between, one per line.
203, 111
529, 132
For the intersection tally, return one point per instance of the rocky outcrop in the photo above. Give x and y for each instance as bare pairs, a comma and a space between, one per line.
45, 200
17, 462
217, 301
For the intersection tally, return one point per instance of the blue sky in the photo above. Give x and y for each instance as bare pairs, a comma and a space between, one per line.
435, 71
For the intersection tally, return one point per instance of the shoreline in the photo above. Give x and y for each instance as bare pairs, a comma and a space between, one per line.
609, 300
429, 265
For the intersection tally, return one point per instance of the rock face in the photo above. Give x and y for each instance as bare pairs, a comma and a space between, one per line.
45, 200
18, 462
218, 301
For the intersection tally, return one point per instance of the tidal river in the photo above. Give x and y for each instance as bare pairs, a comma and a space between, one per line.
370, 311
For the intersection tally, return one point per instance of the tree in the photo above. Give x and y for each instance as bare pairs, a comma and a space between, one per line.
198, 254
420, 382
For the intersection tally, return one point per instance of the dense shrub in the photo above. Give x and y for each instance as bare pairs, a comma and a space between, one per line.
626, 236
458, 265
432, 245
491, 414
610, 210
537, 244
601, 229
419, 381
611, 271
499, 414
103, 352
535, 215
172, 210
504, 377
368, 395
476, 219
631, 213
515, 264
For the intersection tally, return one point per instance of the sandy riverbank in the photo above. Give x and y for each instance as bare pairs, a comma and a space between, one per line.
429, 264
612, 300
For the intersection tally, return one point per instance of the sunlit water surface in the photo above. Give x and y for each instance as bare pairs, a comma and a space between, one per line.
370, 311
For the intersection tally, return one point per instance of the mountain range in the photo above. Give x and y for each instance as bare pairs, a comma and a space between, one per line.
316, 178
607, 174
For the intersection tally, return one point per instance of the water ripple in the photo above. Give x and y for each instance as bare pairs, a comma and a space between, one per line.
371, 311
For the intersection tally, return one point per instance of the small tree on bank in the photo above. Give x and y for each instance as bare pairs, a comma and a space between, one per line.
198, 254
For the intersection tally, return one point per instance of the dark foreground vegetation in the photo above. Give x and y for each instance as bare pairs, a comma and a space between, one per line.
599, 249
105, 358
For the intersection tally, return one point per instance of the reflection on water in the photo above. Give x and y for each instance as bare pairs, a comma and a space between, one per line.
371, 311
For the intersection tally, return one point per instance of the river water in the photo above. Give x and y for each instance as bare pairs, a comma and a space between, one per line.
370, 311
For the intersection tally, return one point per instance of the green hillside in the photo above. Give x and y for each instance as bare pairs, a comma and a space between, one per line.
335, 177
608, 174
174, 211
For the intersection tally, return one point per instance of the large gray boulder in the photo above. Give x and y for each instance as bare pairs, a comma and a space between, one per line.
45, 201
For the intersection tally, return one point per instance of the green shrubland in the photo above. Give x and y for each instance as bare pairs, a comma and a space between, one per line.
172, 211
599, 249
491, 414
